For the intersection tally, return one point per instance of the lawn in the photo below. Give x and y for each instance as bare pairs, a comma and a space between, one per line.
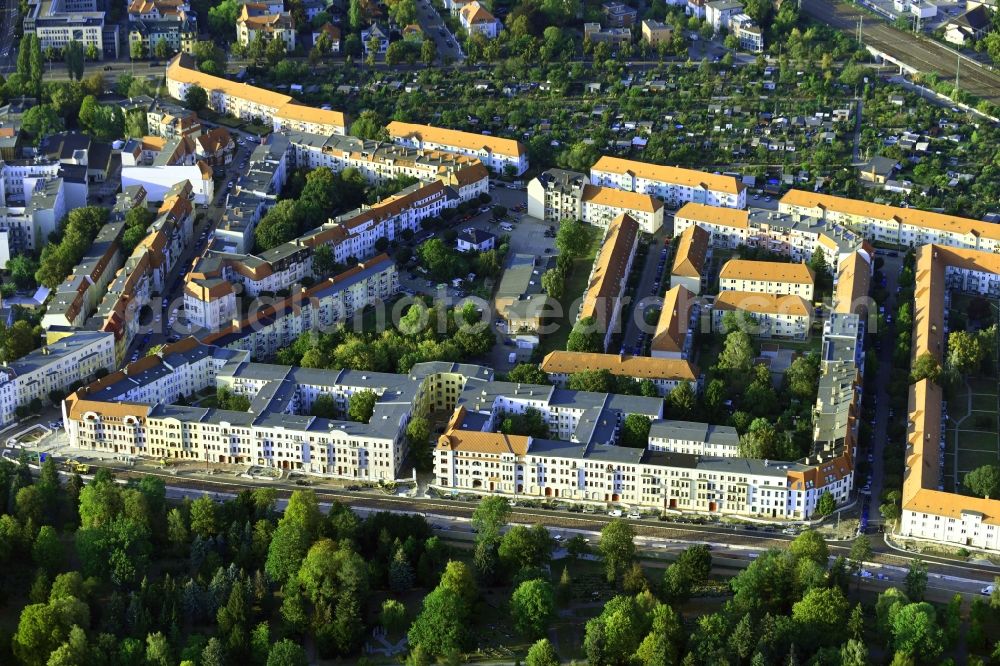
576, 283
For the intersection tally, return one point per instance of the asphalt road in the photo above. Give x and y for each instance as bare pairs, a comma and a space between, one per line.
434, 27
916, 51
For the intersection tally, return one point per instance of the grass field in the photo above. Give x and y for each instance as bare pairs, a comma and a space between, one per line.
972, 437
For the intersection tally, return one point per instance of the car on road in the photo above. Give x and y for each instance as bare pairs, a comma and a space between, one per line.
988, 590
615, 513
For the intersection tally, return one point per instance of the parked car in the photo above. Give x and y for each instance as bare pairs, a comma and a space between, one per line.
615, 513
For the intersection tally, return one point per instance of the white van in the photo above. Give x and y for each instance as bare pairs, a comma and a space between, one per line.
615, 513
506, 227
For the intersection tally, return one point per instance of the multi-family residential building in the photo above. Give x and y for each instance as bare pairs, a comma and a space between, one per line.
719, 12
381, 162
558, 194
272, 327
50, 371
674, 334
593, 32
928, 511
773, 316
767, 277
77, 297
37, 205
159, 179
56, 23
656, 32
602, 302
249, 102
154, 10
257, 21
693, 250
331, 34
619, 15
674, 185
500, 155
908, 227
477, 19
178, 34
795, 236
666, 374
169, 120
747, 32
145, 271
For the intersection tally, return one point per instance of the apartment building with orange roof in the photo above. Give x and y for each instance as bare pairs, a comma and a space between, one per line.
908, 227
248, 102
768, 277
674, 185
674, 334
693, 250
499, 154
774, 316
665, 373
602, 300
558, 194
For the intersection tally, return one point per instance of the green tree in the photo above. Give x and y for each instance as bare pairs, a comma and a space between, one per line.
826, 504
580, 156
572, 238
915, 632
441, 626
428, 52
393, 616
195, 97
617, 548
287, 548
661, 645
523, 548
279, 225
635, 431
203, 519
984, 481
691, 569
42, 628
532, 606
527, 373
925, 367
369, 125
585, 337
916, 580
541, 653
682, 401
553, 283
41, 120
137, 50
361, 406
821, 616
162, 49
287, 653
861, 552
966, 351
488, 520
74, 56
811, 546
47, 551
737, 352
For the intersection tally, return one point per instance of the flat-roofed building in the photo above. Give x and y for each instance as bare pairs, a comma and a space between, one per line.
602, 301
656, 32
674, 185
665, 373
520, 301
773, 316
499, 154
693, 250
767, 277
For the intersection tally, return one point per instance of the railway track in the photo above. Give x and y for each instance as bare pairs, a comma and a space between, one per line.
918, 52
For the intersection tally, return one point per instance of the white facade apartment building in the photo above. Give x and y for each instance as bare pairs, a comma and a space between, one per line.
665, 374
497, 153
795, 236
279, 324
76, 357
674, 185
767, 277
129, 412
380, 162
775, 316
558, 194
909, 227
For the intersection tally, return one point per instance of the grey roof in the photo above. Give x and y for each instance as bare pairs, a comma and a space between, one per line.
696, 432
846, 240
476, 236
563, 180
49, 354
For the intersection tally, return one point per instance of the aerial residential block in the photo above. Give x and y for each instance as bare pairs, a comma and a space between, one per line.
674, 185
500, 155
693, 250
602, 301
767, 277
558, 194
665, 374
774, 316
